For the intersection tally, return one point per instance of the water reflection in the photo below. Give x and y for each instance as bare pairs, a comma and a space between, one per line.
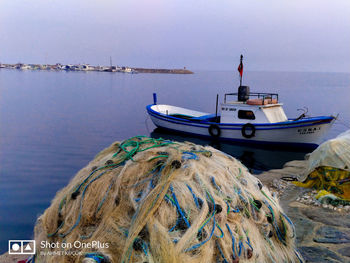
256, 159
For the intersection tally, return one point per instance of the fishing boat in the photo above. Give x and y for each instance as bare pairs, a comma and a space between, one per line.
254, 118
128, 70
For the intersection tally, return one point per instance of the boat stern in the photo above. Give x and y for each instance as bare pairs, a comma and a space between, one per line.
316, 130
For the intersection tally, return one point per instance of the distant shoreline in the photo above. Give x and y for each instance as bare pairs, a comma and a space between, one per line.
87, 67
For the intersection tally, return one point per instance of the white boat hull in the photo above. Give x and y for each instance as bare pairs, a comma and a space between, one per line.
306, 131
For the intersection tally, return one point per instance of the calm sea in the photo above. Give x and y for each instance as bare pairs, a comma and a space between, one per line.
53, 123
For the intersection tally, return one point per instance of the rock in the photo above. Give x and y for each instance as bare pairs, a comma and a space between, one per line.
276, 183
299, 165
345, 251
319, 255
297, 204
304, 228
307, 220
327, 217
328, 234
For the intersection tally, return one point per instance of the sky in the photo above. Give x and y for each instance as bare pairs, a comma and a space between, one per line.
272, 35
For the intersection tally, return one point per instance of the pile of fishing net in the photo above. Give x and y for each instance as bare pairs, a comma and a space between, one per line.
328, 170
154, 200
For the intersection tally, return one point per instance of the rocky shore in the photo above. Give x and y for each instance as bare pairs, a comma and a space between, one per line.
323, 231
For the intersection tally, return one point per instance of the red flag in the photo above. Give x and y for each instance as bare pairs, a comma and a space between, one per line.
240, 67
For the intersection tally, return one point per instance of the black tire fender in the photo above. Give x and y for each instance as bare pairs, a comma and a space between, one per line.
214, 130
248, 127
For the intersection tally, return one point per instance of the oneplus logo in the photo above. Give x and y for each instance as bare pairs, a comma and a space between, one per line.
22, 247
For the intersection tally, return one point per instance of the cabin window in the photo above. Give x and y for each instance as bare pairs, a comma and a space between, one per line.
246, 114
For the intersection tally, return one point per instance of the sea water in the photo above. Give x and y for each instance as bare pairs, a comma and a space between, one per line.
53, 123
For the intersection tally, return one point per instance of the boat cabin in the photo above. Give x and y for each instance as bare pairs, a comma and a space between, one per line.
251, 108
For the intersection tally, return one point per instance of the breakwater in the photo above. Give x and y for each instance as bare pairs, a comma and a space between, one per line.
164, 71
88, 67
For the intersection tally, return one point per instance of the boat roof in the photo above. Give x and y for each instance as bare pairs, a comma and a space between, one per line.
242, 103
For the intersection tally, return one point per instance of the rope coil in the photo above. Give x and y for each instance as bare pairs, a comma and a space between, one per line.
163, 201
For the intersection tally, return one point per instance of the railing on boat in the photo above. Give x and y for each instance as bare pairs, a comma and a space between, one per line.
257, 95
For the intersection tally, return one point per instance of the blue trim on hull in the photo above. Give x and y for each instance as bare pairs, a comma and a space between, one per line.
206, 125
274, 145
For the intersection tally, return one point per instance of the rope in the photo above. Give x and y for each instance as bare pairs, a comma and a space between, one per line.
221, 252
248, 240
214, 183
104, 197
31, 259
290, 223
179, 210
242, 201
233, 241
156, 157
222, 232
95, 256
195, 198
262, 191
189, 156
136, 143
203, 242
298, 256
82, 201
281, 236
289, 178
230, 209
241, 247
204, 224
343, 123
